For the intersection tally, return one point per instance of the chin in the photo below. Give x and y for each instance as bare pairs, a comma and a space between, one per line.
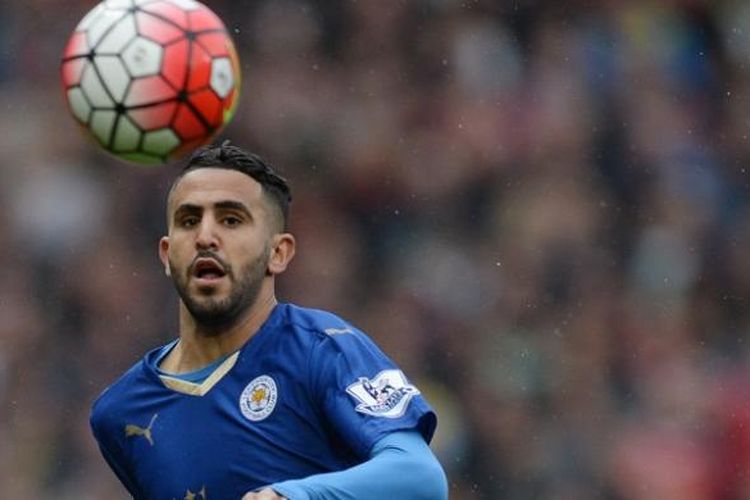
209, 303
203, 290
210, 313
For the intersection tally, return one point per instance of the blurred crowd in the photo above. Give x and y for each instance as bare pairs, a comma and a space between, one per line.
539, 209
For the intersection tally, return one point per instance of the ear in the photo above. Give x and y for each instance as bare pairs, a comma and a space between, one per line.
164, 254
282, 253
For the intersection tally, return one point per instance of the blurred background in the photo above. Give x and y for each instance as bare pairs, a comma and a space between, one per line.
539, 209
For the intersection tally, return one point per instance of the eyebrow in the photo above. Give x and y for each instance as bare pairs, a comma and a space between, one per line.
189, 208
233, 205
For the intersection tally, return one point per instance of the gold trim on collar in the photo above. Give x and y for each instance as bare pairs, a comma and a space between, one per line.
201, 389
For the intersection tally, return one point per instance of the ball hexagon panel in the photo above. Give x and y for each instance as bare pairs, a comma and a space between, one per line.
203, 19
101, 27
91, 17
101, 124
200, 76
157, 29
169, 12
215, 43
142, 57
79, 105
222, 76
114, 75
127, 136
209, 105
155, 116
160, 142
94, 90
149, 90
187, 125
175, 66
72, 71
115, 40
76, 45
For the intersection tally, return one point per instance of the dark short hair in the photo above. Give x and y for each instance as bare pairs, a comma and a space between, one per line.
230, 157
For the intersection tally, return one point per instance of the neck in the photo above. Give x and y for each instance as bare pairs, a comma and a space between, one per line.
199, 345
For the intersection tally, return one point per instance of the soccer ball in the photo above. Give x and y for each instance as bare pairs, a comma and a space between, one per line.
151, 79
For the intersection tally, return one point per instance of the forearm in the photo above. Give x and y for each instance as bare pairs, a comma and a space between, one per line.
400, 467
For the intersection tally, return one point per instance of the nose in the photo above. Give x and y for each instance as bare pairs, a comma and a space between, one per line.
206, 236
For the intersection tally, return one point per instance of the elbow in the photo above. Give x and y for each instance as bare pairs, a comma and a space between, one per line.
439, 489
440, 481
431, 481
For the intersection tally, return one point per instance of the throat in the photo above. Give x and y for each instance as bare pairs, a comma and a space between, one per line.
195, 376
183, 359
202, 343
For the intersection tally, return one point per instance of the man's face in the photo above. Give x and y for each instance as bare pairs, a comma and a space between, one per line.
219, 243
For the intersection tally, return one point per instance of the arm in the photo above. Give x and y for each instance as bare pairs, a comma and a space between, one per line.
121, 474
401, 465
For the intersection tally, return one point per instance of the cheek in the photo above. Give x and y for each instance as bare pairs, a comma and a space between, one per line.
176, 254
253, 255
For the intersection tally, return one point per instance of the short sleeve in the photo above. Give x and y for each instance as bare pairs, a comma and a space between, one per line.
110, 451
363, 394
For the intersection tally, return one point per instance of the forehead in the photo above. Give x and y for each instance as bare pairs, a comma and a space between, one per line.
205, 186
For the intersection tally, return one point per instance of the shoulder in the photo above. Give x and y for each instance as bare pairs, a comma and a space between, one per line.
319, 324
323, 336
113, 399
314, 320
329, 338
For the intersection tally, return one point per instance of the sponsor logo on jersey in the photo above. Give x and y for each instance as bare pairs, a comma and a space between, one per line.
258, 399
386, 395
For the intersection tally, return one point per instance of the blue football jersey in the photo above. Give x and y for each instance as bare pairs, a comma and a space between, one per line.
307, 394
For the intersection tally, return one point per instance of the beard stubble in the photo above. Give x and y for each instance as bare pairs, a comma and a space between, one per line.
215, 315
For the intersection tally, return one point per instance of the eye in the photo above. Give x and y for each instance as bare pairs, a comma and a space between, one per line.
231, 221
189, 221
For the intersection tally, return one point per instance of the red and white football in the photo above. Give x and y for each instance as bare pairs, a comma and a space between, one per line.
151, 79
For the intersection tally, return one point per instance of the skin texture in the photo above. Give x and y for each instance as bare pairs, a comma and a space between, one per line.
221, 219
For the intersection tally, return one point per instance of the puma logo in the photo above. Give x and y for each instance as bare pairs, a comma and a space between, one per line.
136, 430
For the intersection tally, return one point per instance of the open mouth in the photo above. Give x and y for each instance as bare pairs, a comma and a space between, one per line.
206, 269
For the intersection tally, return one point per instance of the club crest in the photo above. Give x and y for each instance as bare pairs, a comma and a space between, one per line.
386, 395
258, 399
